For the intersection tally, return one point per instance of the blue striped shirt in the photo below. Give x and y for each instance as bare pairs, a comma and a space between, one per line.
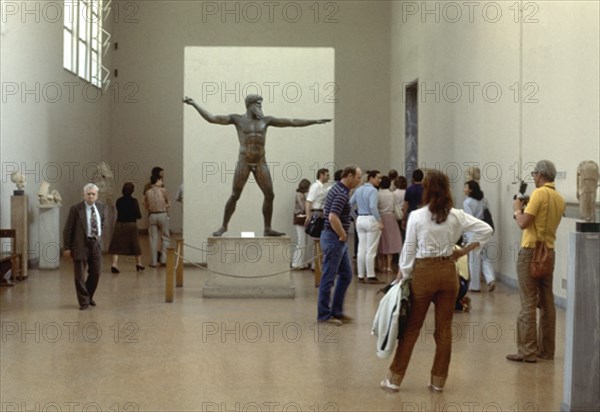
337, 202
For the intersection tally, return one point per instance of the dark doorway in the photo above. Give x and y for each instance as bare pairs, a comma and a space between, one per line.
411, 127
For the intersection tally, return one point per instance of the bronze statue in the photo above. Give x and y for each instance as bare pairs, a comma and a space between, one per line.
252, 134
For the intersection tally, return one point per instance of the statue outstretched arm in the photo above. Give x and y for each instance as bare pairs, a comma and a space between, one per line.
219, 119
276, 122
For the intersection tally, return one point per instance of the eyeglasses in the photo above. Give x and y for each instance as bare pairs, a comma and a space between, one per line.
534, 173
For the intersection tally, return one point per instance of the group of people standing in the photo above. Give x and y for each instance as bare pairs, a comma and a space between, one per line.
428, 258
377, 228
376, 225
82, 234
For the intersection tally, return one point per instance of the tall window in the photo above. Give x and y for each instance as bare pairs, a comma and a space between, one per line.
83, 39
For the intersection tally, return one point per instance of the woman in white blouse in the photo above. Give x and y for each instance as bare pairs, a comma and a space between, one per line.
428, 257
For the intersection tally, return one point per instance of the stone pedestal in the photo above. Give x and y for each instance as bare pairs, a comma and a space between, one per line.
19, 222
108, 227
49, 236
249, 268
582, 348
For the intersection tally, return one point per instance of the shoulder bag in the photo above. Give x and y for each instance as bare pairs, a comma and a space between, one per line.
542, 261
315, 226
398, 211
487, 216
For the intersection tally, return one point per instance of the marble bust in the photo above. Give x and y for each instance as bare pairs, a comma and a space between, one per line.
18, 179
105, 180
587, 186
473, 173
49, 198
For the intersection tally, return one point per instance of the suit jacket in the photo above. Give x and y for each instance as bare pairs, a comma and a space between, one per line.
76, 229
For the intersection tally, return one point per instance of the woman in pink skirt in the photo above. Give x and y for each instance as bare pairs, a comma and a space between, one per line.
391, 241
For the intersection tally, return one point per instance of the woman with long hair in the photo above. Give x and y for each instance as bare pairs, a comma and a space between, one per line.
299, 220
428, 258
474, 205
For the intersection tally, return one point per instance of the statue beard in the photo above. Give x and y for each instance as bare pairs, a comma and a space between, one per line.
257, 112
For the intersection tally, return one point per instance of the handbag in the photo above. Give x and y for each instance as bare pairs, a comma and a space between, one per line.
315, 226
542, 261
398, 211
299, 219
487, 217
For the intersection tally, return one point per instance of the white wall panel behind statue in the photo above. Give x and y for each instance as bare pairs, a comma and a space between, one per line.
296, 83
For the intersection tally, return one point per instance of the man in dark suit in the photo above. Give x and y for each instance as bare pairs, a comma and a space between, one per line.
83, 243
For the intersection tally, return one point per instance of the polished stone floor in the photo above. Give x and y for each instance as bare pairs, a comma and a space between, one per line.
134, 352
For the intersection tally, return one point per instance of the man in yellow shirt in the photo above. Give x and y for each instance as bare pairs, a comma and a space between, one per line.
539, 221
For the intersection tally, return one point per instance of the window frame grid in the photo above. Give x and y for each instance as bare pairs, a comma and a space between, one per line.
83, 19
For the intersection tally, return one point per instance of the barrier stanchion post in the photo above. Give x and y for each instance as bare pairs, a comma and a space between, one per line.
179, 274
318, 262
170, 274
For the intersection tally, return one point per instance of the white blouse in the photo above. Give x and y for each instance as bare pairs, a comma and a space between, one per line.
425, 238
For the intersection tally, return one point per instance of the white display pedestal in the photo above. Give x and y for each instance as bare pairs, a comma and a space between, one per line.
49, 236
19, 222
239, 268
582, 347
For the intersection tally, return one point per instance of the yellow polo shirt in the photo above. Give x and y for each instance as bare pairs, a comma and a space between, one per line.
547, 207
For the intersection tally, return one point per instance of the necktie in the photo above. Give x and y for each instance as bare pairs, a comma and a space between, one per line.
94, 222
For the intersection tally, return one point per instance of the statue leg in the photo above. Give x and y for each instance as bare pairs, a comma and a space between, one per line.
242, 171
263, 178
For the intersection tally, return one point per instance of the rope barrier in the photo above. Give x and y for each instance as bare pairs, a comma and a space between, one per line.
210, 251
176, 259
236, 276
179, 256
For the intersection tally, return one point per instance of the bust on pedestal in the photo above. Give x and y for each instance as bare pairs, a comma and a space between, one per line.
105, 180
587, 186
49, 228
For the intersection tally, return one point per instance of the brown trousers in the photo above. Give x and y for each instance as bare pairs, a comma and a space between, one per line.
535, 293
433, 281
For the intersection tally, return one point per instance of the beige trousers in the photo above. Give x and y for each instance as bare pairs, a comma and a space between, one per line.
433, 281
535, 293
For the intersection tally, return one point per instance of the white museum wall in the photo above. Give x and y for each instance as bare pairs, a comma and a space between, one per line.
148, 130
557, 110
53, 125
211, 150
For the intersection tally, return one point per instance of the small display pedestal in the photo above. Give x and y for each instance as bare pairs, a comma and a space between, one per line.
19, 222
49, 237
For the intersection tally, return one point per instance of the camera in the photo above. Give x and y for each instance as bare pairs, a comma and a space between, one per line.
521, 195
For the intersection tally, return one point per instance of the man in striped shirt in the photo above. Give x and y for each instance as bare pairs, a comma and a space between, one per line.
336, 261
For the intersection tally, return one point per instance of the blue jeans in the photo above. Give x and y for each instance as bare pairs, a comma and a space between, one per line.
336, 262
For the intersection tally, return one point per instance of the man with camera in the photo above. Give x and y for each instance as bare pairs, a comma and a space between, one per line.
538, 221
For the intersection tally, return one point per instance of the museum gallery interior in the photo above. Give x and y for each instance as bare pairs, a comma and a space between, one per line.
95, 91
